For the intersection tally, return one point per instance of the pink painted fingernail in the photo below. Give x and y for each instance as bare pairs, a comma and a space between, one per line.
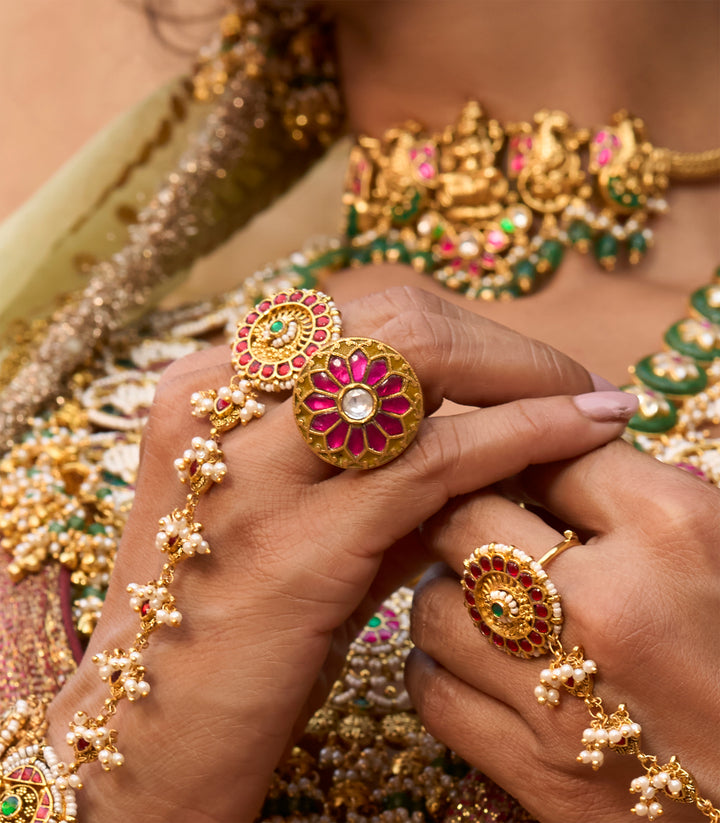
601, 384
607, 406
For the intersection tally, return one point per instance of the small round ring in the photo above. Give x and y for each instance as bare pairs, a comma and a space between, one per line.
510, 598
358, 403
569, 540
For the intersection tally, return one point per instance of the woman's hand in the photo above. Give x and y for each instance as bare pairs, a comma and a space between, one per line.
303, 554
642, 597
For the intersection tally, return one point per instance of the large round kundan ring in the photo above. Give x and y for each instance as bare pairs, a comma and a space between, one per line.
358, 403
510, 598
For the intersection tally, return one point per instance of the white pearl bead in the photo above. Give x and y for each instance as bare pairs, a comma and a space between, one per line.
674, 786
660, 780
641, 809
654, 810
615, 735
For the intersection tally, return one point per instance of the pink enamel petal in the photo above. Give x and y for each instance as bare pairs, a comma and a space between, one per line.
390, 425
375, 438
378, 370
323, 381
356, 442
395, 405
323, 422
358, 364
317, 402
392, 385
335, 439
338, 369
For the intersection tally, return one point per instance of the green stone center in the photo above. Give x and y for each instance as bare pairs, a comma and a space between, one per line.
276, 326
373, 622
10, 805
497, 609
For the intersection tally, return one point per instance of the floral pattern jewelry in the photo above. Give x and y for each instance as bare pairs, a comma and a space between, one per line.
358, 403
503, 589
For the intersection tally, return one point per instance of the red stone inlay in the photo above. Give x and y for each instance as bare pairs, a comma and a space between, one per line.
526, 645
245, 359
485, 629
541, 626
336, 438
280, 298
320, 335
145, 608
470, 597
469, 580
512, 645
570, 682
475, 570
318, 309
475, 614
295, 296
241, 346
526, 579
512, 568
535, 594
542, 610
311, 349
82, 744
267, 371
390, 425
252, 317
498, 563
621, 742
356, 442
310, 299
193, 467
485, 563
42, 813
535, 638
298, 361
221, 404
498, 641
244, 332
26, 774
283, 369
264, 306
254, 367
114, 676
322, 321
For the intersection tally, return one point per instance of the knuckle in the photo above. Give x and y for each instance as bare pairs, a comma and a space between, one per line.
561, 372
428, 689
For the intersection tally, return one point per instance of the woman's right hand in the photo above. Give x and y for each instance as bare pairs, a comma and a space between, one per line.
303, 554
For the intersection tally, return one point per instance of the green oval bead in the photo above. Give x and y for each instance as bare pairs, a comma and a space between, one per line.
579, 234
551, 255
606, 247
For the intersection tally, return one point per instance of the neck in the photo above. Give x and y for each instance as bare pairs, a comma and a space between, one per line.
422, 59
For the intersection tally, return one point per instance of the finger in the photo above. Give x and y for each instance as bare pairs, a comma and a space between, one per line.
455, 455
460, 355
440, 627
484, 517
618, 488
536, 762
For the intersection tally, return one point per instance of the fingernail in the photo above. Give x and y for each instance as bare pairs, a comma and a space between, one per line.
601, 384
607, 406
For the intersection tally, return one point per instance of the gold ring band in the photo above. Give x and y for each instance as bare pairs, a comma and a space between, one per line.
570, 539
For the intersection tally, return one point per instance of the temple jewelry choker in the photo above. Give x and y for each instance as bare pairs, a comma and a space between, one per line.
488, 210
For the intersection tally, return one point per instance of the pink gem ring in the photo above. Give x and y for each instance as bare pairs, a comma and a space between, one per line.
358, 403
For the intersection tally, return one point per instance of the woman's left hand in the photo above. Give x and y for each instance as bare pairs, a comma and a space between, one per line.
643, 598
